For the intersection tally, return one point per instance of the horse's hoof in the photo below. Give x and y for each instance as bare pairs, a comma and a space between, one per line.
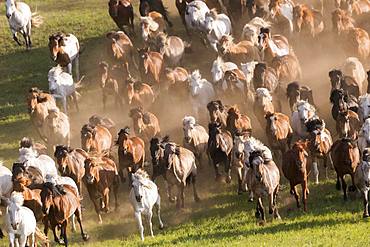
85, 237
197, 199
228, 179
365, 216
261, 223
172, 199
271, 211
161, 227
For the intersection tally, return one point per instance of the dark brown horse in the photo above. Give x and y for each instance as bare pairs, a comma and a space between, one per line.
265, 77
237, 122
122, 14
59, 204
101, 177
348, 124
147, 6
151, 66
95, 138
217, 112
296, 92
340, 81
146, 124
131, 153
296, 169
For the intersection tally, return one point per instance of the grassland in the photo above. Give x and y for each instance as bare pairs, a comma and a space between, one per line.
222, 218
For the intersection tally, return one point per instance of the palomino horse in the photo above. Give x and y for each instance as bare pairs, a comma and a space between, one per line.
176, 164
172, 48
195, 138
139, 94
151, 26
320, 143
348, 124
143, 196
263, 179
71, 163
101, 177
362, 180
217, 112
131, 153
281, 12
296, 169
346, 158
21, 20
307, 20
251, 30
220, 144
302, 113
347, 83
95, 138
296, 92
287, 68
215, 26
59, 203
146, 124
272, 46
237, 122
147, 6
263, 105
122, 14
151, 66
241, 52
65, 50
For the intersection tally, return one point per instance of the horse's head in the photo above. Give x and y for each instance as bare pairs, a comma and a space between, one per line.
157, 154
113, 7
225, 43
217, 71
239, 142
263, 38
10, 8
195, 80
103, 70
215, 108
233, 112
61, 154
137, 187
305, 110
298, 14
209, 20
143, 56
336, 77
144, 7
263, 96
56, 41
364, 106
256, 163
87, 137
315, 128
188, 124
13, 209
91, 171
123, 139
34, 97
299, 151
48, 192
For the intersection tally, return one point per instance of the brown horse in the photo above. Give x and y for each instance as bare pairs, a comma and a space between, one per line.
346, 158
147, 6
348, 124
241, 52
150, 66
59, 204
101, 176
95, 138
296, 92
131, 153
287, 68
217, 112
265, 76
263, 105
146, 124
71, 163
122, 14
340, 81
151, 26
237, 122
175, 79
296, 169
307, 20
139, 94
108, 123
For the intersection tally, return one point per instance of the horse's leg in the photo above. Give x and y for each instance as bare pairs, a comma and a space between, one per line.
63, 230
11, 240
16, 38
24, 34
29, 27
338, 185
315, 170
73, 222
326, 165
140, 225
260, 209
304, 195
240, 180
96, 206
56, 238
115, 192
344, 187
352, 188
64, 101
366, 204
78, 214
69, 68
276, 211
45, 220
182, 191
31, 240
228, 169
293, 190
150, 224
218, 175
106, 200
158, 207
193, 181
77, 65
75, 101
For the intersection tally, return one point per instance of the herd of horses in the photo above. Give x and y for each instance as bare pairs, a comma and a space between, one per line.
258, 72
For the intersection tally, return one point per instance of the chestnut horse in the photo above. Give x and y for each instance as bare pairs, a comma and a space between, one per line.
151, 66
139, 94
122, 14
146, 124
237, 122
131, 153
101, 177
307, 20
296, 169
287, 68
272, 45
95, 138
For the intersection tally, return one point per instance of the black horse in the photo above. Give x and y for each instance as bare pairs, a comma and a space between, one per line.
147, 6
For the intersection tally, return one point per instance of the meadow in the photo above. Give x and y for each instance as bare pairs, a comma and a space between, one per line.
222, 218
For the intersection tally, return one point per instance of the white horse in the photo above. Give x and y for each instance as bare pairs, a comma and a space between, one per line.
219, 67
57, 129
364, 107
20, 222
302, 112
202, 92
21, 20
6, 183
362, 180
215, 26
61, 86
143, 196
43, 162
195, 15
364, 136
248, 70
251, 30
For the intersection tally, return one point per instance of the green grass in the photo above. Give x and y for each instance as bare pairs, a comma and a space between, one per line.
222, 218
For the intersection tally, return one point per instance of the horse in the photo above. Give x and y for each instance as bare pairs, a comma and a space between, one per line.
61, 86
95, 138
194, 15
38, 104
65, 51
355, 7
108, 123
21, 19
302, 113
346, 158
262, 105
172, 48
146, 124
71, 163
347, 83
32, 174
341, 101
181, 8
131, 153
201, 91
122, 13
272, 45
109, 84
36, 146
364, 106
6, 185
147, 6
320, 143
248, 70
263, 179
279, 132
101, 177
352, 67
257, 8
176, 164
151, 26
143, 196
139, 94
176, 80
364, 136
348, 124
265, 76
57, 129
220, 144
241, 52
296, 169
151, 66
251, 30
237, 122
307, 20
59, 203
217, 112
296, 92
362, 180
216, 26
287, 68
281, 12
195, 138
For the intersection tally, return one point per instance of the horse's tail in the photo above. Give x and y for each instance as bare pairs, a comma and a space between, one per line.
40, 236
36, 20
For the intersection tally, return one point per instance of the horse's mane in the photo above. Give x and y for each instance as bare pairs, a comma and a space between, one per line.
17, 198
315, 124
233, 110
292, 87
188, 120
142, 174
299, 103
255, 142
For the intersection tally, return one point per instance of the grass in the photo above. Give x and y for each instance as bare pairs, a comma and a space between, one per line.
222, 218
